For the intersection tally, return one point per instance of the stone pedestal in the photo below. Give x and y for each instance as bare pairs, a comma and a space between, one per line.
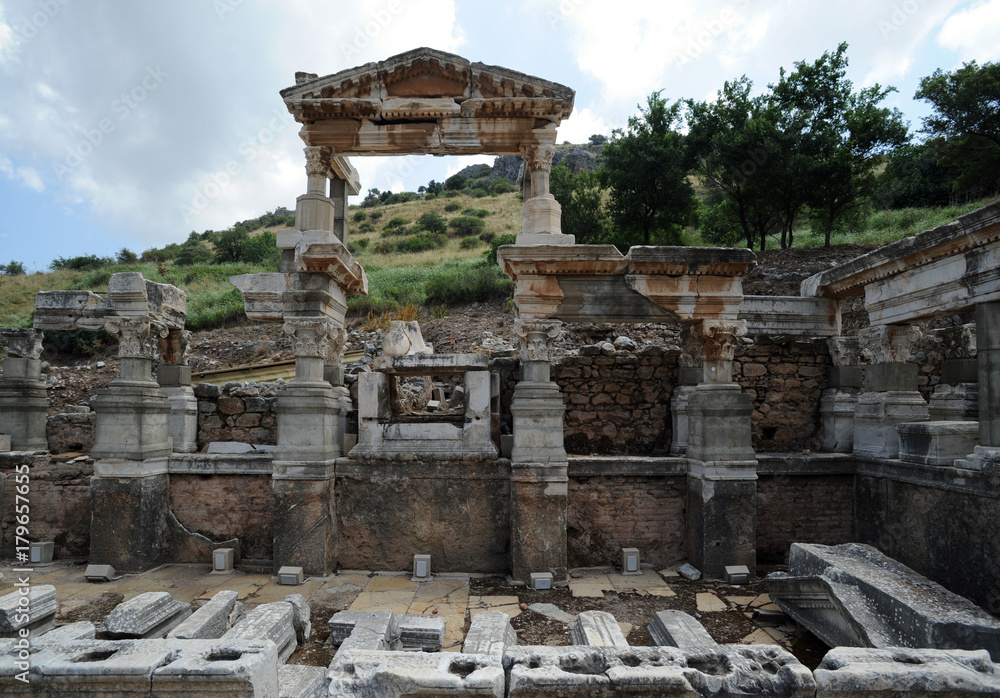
836, 411
890, 398
955, 403
23, 403
182, 423
305, 533
719, 423
936, 443
687, 378
128, 527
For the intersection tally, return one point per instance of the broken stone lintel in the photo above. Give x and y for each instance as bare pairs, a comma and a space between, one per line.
211, 620
149, 615
490, 633
597, 629
400, 631
269, 621
678, 629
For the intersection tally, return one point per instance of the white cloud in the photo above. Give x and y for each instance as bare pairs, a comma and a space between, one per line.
972, 33
26, 176
581, 125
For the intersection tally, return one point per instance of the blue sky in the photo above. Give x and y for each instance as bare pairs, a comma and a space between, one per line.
130, 124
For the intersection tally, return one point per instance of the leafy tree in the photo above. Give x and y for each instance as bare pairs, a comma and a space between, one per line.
433, 222
916, 176
466, 225
193, 252
598, 139
12, 269
127, 256
580, 196
455, 183
644, 166
229, 247
262, 249
966, 124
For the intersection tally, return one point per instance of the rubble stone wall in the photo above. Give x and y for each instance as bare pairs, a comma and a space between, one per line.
237, 412
802, 508
59, 495
71, 432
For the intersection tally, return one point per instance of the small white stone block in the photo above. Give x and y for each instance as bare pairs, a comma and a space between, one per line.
421, 568
99, 573
4, 442
433, 405
291, 576
630, 561
222, 560
737, 574
541, 581
41, 552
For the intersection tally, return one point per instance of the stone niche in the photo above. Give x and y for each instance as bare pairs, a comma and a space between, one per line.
385, 428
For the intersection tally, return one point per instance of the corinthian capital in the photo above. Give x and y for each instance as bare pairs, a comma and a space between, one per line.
138, 337
958, 342
888, 344
22, 343
692, 354
318, 160
845, 351
718, 338
538, 157
313, 336
174, 347
537, 338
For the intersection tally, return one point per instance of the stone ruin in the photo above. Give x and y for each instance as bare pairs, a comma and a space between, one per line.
916, 478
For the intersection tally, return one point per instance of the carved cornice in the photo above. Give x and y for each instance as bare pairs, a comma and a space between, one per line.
887, 344
845, 351
536, 338
138, 337
313, 337
719, 337
22, 343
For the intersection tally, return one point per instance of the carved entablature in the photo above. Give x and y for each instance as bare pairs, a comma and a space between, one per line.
174, 347
536, 338
22, 343
692, 354
845, 351
887, 344
313, 337
138, 337
958, 342
719, 337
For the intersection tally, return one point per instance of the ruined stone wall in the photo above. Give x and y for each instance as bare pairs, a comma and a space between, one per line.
456, 511
71, 430
59, 495
942, 522
802, 508
617, 404
237, 412
629, 508
786, 381
222, 507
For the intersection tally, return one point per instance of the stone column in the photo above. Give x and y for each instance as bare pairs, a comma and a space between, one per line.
308, 445
722, 474
314, 210
333, 373
23, 400
541, 216
890, 394
338, 194
174, 376
987, 453
689, 374
838, 402
956, 397
129, 490
539, 467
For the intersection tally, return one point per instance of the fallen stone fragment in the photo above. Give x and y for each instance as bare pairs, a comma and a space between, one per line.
269, 621
371, 630
862, 672
689, 572
678, 629
300, 681
490, 633
396, 674
34, 610
552, 611
424, 633
300, 617
149, 615
219, 667
211, 621
597, 629
853, 595
84, 630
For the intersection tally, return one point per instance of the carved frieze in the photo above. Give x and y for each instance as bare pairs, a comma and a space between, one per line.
318, 160
845, 351
22, 343
138, 337
536, 338
719, 337
886, 344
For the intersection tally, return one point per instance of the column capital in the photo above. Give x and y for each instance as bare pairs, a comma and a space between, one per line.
887, 344
536, 338
23, 343
138, 337
538, 157
718, 337
844, 351
692, 354
174, 347
315, 337
318, 160
958, 342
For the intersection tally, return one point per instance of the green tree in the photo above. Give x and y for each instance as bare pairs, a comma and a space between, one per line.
262, 249
966, 124
645, 168
192, 252
126, 256
12, 269
580, 196
229, 246
433, 222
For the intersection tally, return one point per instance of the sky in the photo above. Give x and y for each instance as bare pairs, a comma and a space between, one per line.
130, 124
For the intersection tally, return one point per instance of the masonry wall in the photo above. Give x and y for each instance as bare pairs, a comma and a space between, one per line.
237, 412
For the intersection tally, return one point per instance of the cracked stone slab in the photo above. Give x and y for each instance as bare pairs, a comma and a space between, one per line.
710, 603
41, 607
397, 674
210, 621
672, 628
149, 615
83, 630
300, 617
597, 629
219, 667
490, 633
860, 672
411, 632
552, 611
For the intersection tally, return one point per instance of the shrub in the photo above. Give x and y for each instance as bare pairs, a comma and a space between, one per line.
12, 269
479, 192
432, 222
384, 247
359, 216
502, 186
496, 243
487, 236
477, 212
421, 243
193, 253
465, 226
81, 263
366, 227
477, 283
262, 249
359, 244
469, 242
455, 183
451, 206
126, 256
395, 222
375, 215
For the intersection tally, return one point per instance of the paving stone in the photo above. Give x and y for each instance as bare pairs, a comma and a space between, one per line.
669, 572
270, 621
586, 591
300, 681
552, 611
597, 629
710, 603
741, 600
508, 605
386, 583
860, 672
663, 591
149, 615
761, 600
673, 628
489, 633
759, 637
34, 610
210, 621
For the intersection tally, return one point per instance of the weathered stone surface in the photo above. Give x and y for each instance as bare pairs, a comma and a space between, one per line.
300, 617
656, 671
490, 633
300, 681
82, 630
211, 620
678, 629
270, 621
552, 611
597, 629
128, 524
395, 674
689, 571
854, 595
218, 667
149, 615
32, 607
876, 417
937, 443
370, 630
869, 673
789, 316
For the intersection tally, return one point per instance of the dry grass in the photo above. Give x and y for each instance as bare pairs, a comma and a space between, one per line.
17, 294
